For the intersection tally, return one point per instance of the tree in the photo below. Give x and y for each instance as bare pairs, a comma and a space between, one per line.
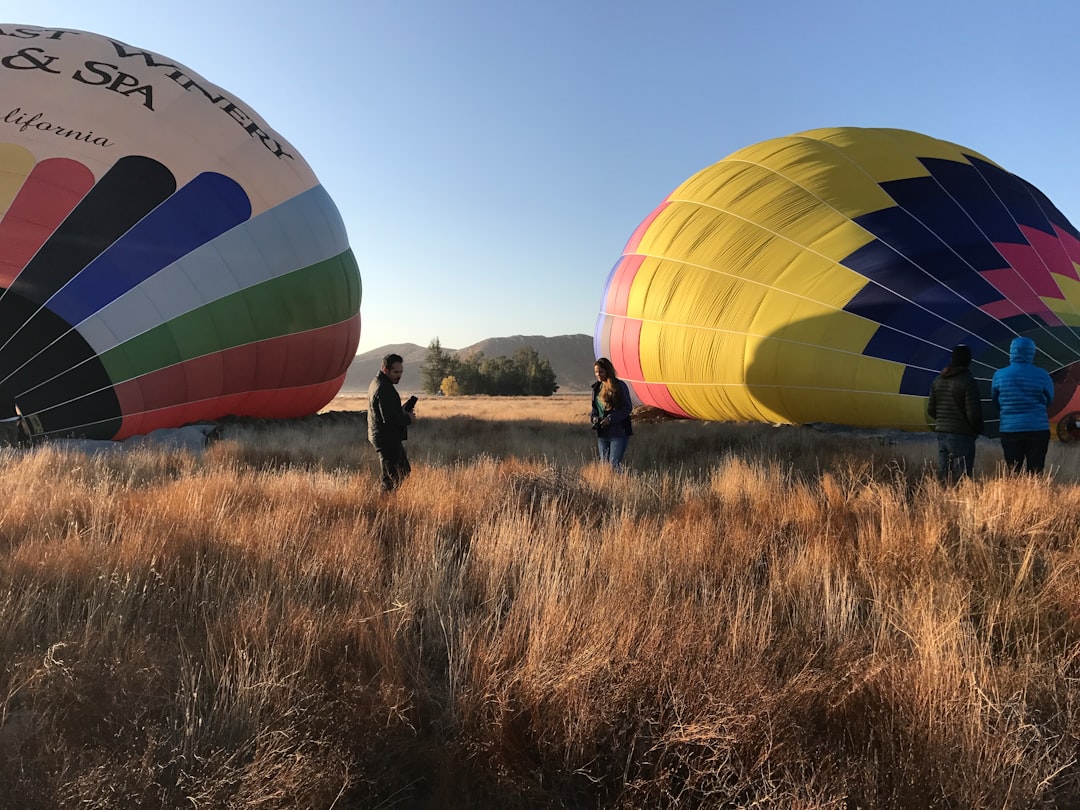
524, 374
438, 365
500, 377
468, 374
536, 374
450, 387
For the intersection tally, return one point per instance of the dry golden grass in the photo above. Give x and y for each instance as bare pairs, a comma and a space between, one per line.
560, 408
751, 617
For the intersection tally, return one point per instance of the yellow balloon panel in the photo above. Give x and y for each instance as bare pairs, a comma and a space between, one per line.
802, 321
818, 279
816, 168
1066, 309
15, 164
890, 154
765, 200
713, 241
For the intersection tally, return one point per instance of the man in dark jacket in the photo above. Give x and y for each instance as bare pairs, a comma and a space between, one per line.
388, 423
956, 408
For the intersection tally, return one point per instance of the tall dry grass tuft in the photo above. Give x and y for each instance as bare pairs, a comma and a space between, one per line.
749, 617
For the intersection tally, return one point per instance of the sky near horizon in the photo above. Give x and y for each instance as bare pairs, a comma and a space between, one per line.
490, 158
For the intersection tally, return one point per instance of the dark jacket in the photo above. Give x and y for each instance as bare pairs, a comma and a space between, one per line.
387, 421
620, 415
1022, 391
955, 404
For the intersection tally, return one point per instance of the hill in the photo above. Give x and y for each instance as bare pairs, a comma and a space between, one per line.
571, 358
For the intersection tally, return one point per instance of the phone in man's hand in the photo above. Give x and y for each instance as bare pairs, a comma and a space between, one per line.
410, 403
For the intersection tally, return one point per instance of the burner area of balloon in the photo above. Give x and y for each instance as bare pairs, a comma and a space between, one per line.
826, 277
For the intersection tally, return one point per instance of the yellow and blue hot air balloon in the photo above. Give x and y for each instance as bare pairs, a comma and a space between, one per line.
826, 276
165, 256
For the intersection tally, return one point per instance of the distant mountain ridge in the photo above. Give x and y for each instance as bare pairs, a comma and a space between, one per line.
571, 358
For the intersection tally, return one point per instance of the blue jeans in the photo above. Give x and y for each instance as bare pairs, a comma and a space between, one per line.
612, 450
956, 456
1025, 449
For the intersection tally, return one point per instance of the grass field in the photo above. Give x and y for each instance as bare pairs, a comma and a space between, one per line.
560, 408
749, 617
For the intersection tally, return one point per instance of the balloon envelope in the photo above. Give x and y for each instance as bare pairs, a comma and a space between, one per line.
165, 255
826, 276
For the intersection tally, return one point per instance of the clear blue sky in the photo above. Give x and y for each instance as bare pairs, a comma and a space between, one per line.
491, 157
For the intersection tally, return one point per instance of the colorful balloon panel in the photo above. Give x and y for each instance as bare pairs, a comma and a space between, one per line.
165, 256
826, 276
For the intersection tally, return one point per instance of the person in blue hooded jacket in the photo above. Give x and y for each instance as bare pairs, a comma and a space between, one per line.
1023, 392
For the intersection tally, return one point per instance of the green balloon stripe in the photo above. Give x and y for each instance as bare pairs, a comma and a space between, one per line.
295, 302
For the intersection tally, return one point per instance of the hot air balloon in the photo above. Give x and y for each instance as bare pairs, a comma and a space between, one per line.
165, 256
826, 276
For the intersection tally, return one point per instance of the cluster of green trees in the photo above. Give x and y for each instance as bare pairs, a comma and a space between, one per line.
524, 374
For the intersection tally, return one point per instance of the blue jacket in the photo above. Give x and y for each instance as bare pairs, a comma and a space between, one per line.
1022, 391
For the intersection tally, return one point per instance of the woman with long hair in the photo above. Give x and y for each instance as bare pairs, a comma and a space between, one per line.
611, 408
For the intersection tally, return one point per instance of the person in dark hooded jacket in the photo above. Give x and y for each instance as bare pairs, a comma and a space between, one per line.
1023, 393
956, 408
